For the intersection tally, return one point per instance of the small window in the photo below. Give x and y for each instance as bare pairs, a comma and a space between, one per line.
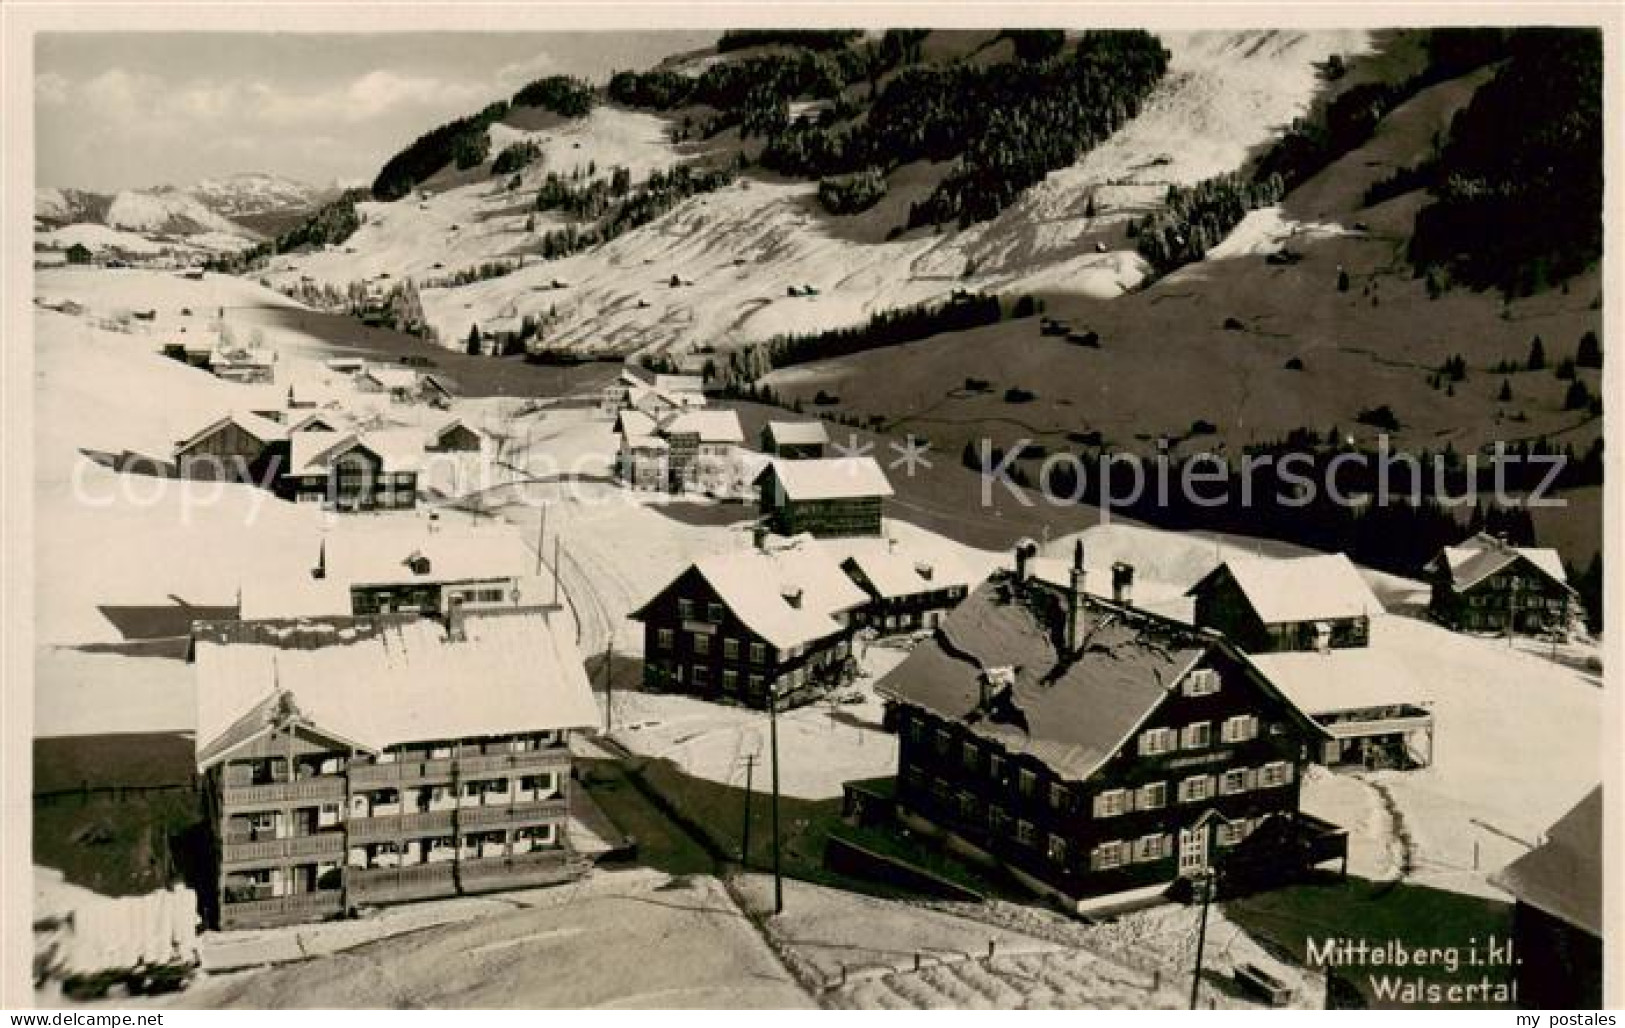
1233, 781
1202, 682
713, 613
944, 741
1026, 782
730, 649
968, 753
1056, 850
702, 644
1156, 741
1060, 797
685, 609
1195, 789
702, 675
665, 638
758, 653
1196, 736
1275, 774
730, 680
1240, 728
1025, 833
1151, 847
1153, 796
1231, 833
1110, 803
1108, 855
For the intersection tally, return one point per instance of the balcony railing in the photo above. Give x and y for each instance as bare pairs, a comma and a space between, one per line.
437, 821
299, 906
401, 771
244, 851
323, 787
471, 817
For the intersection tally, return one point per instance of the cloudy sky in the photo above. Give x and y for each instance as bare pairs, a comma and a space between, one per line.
128, 110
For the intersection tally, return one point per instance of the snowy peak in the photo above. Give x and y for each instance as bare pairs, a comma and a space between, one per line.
213, 205
252, 193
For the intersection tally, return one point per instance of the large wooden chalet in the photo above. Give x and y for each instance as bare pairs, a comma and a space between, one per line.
1098, 752
741, 625
679, 451
1485, 584
1276, 606
349, 762
832, 497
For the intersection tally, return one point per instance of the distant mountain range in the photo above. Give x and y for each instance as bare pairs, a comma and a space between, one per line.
250, 205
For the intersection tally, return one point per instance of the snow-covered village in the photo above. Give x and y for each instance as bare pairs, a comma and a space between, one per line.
694, 512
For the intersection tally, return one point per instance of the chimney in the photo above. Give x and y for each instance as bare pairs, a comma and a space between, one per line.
758, 535
792, 595
320, 570
1123, 584
1074, 601
1026, 550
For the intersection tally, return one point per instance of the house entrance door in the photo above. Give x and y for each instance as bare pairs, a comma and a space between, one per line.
1192, 850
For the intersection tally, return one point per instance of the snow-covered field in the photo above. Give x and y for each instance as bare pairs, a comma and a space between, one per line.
743, 247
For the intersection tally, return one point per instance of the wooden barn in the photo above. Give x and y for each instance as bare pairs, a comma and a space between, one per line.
831, 497
453, 437
234, 448
348, 472
1275, 606
794, 440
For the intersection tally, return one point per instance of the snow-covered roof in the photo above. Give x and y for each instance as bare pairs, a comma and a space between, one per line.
898, 569
325, 417
679, 383
829, 478
1351, 678
712, 426
759, 586
313, 452
646, 442
392, 378
1563, 876
1483, 555
635, 423
439, 431
263, 429
1320, 587
453, 555
798, 433
392, 679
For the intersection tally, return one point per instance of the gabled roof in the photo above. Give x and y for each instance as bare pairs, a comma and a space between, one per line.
392, 378
798, 433
1073, 712
828, 478
1349, 678
439, 432
1483, 555
756, 586
895, 570
1317, 588
263, 429
380, 556
313, 452
393, 679
329, 418
631, 423
679, 383
712, 426
1563, 876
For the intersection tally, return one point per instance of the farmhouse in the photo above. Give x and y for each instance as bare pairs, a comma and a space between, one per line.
403, 385
794, 440
1557, 920
356, 761
828, 497
1097, 752
317, 421
197, 355
351, 472
1487, 585
1275, 606
243, 364
428, 571
742, 626
643, 458
234, 448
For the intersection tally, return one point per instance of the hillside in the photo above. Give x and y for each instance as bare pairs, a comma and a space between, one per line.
739, 250
243, 207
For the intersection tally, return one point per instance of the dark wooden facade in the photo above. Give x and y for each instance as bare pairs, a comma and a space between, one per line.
849, 516
229, 453
892, 614
694, 643
305, 828
1520, 596
457, 438
1223, 606
1063, 834
355, 480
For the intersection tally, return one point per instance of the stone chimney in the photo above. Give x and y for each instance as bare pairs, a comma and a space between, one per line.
454, 620
1074, 601
320, 570
758, 536
1026, 550
1123, 584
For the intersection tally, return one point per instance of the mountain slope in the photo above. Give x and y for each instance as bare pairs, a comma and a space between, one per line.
740, 251
244, 206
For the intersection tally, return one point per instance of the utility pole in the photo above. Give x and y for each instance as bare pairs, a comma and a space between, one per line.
773, 743
609, 686
556, 567
1205, 883
541, 539
744, 834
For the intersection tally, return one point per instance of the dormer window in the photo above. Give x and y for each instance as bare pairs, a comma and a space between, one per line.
418, 564
1202, 682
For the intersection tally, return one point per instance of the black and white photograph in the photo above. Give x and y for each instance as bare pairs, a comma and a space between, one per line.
1080, 507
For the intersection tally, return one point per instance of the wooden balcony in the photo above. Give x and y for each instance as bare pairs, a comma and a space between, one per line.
395, 884
364, 776
257, 913
505, 763
321, 788
435, 822
512, 813
244, 851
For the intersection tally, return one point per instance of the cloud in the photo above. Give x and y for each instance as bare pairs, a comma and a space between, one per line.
52, 88
528, 70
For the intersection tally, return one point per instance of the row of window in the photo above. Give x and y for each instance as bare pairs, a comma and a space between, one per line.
1197, 735
1194, 789
666, 638
1117, 853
